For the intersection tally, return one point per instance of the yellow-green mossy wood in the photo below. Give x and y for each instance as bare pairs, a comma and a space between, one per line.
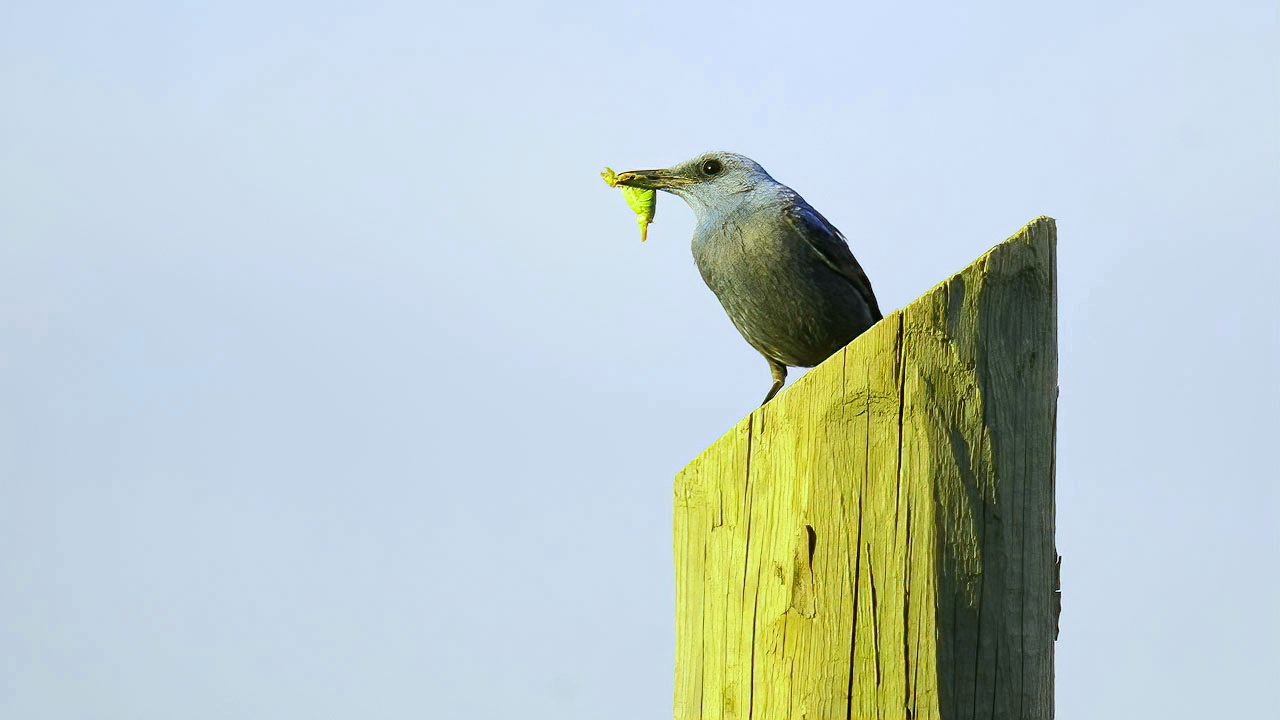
877, 541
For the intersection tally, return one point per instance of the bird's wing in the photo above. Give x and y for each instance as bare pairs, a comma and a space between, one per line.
831, 246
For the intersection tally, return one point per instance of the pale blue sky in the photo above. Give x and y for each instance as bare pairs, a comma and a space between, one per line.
335, 383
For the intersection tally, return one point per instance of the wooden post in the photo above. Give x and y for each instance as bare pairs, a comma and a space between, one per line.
877, 542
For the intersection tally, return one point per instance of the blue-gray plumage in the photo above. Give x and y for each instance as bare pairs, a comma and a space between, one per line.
785, 275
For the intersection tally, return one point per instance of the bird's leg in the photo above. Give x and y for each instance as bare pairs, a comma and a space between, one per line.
779, 377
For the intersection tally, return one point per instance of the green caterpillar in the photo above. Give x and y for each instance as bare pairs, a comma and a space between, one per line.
643, 202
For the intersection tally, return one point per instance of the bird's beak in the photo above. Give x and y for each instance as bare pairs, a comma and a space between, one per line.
652, 179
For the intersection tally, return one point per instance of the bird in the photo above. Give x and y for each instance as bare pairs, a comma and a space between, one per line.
783, 273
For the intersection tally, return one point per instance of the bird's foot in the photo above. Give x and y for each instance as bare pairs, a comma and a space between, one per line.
779, 377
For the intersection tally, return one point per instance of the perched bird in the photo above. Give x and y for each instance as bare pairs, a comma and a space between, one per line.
785, 275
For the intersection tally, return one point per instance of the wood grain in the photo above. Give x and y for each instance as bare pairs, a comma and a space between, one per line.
877, 542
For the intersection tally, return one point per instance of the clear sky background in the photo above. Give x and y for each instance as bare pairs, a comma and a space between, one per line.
335, 384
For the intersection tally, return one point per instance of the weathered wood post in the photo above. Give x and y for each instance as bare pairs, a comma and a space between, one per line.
877, 542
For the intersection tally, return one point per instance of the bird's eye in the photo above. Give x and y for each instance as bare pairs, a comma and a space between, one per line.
711, 167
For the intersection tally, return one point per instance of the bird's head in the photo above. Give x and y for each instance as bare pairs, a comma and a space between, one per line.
710, 182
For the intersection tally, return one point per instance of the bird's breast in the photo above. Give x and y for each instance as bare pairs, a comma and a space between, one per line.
784, 300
